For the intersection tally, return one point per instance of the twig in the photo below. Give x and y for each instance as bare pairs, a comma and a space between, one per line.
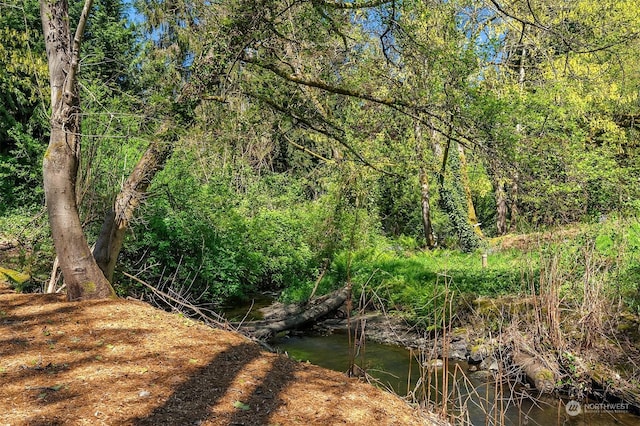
218, 320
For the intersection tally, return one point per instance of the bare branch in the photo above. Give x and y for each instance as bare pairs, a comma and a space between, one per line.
217, 319
77, 40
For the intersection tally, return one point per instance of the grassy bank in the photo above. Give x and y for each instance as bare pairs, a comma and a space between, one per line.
600, 260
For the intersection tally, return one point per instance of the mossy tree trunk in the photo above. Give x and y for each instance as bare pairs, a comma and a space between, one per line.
466, 187
452, 195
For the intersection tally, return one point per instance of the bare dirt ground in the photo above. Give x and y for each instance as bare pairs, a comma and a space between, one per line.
121, 362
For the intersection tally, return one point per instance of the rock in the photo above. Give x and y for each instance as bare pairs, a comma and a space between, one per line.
479, 352
434, 364
481, 375
458, 350
489, 363
458, 346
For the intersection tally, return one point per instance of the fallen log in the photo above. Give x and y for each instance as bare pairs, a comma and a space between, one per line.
266, 329
7, 245
543, 378
611, 386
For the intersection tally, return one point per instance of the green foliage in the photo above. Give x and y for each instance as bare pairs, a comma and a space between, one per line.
418, 283
617, 248
453, 202
20, 177
604, 255
226, 243
23, 72
34, 255
281, 178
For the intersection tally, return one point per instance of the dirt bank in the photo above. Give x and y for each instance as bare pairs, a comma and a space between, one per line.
124, 362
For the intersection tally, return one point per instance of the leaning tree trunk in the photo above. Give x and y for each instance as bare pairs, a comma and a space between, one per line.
133, 191
83, 277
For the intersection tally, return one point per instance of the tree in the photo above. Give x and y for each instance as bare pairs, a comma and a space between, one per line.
83, 277
564, 73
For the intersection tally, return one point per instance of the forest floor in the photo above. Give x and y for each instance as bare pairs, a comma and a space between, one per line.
123, 362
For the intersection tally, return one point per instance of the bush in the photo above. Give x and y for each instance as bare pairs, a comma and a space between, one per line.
225, 245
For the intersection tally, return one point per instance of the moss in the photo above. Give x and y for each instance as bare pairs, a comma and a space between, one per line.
485, 306
475, 349
13, 277
544, 374
89, 287
459, 332
480, 351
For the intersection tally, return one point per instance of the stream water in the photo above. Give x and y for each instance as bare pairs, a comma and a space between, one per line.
472, 394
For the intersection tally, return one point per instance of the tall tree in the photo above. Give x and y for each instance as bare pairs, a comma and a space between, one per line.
83, 277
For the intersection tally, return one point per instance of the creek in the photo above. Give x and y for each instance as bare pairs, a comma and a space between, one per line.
392, 365
471, 396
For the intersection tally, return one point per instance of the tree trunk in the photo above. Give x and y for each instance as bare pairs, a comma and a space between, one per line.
540, 376
133, 191
464, 177
83, 277
426, 209
425, 197
514, 203
501, 206
452, 197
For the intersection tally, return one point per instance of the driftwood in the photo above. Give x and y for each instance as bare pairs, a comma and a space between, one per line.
296, 315
537, 373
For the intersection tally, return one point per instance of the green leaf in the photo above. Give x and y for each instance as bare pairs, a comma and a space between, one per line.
604, 244
241, 406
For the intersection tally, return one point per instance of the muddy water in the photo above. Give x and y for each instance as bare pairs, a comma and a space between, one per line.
472, 395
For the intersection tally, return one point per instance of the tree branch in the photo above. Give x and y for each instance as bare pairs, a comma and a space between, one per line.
337, 4
571, 46
331, 135
311, 82
75, 51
